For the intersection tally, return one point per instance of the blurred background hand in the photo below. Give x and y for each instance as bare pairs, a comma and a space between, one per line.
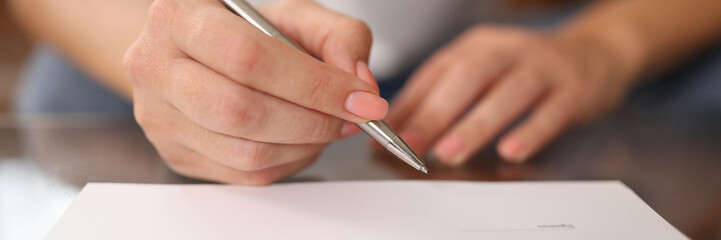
470, 91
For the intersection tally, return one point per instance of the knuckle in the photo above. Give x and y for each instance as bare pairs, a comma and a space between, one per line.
325, 129
243, 53
235, 114
142, 116
176, 161
316, 93
243, 57
131, 65
135, 64
254, 156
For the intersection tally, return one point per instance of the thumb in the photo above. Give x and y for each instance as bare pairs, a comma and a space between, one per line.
336, 39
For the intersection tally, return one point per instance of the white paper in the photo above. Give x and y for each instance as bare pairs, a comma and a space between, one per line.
363, 210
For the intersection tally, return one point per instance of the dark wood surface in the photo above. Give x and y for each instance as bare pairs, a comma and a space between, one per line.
672, 161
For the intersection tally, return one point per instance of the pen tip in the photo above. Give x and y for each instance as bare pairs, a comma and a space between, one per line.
424, 169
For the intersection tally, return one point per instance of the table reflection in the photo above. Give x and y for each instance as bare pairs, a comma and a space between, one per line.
672, 161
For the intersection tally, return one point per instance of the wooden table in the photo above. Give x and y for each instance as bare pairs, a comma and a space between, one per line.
671, 159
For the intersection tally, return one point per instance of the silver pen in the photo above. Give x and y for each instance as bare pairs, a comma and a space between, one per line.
376, 129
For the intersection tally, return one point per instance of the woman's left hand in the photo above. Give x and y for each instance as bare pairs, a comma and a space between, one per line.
473, 89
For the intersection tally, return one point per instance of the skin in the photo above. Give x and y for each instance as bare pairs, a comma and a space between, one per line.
213, 95
212, 92
470, 91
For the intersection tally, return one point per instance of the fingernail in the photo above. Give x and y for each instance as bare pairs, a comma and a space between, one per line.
510, 149
448, 148
348, 129
365, 74
366, 105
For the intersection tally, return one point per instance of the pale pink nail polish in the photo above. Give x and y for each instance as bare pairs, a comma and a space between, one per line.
510, 149
448, 149
366, 105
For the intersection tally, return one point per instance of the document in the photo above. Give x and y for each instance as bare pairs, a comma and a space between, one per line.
363, 210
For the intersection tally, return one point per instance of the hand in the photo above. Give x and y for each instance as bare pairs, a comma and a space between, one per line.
473, 89
222, 101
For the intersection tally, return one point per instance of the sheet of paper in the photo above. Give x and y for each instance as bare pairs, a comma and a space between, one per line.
363, 210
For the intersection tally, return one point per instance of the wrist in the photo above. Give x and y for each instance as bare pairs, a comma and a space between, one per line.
618, 53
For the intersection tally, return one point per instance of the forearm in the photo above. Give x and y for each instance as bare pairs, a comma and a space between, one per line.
648, 35
93, 34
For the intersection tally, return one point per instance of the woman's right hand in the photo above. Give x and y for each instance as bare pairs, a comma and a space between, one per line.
222, 101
